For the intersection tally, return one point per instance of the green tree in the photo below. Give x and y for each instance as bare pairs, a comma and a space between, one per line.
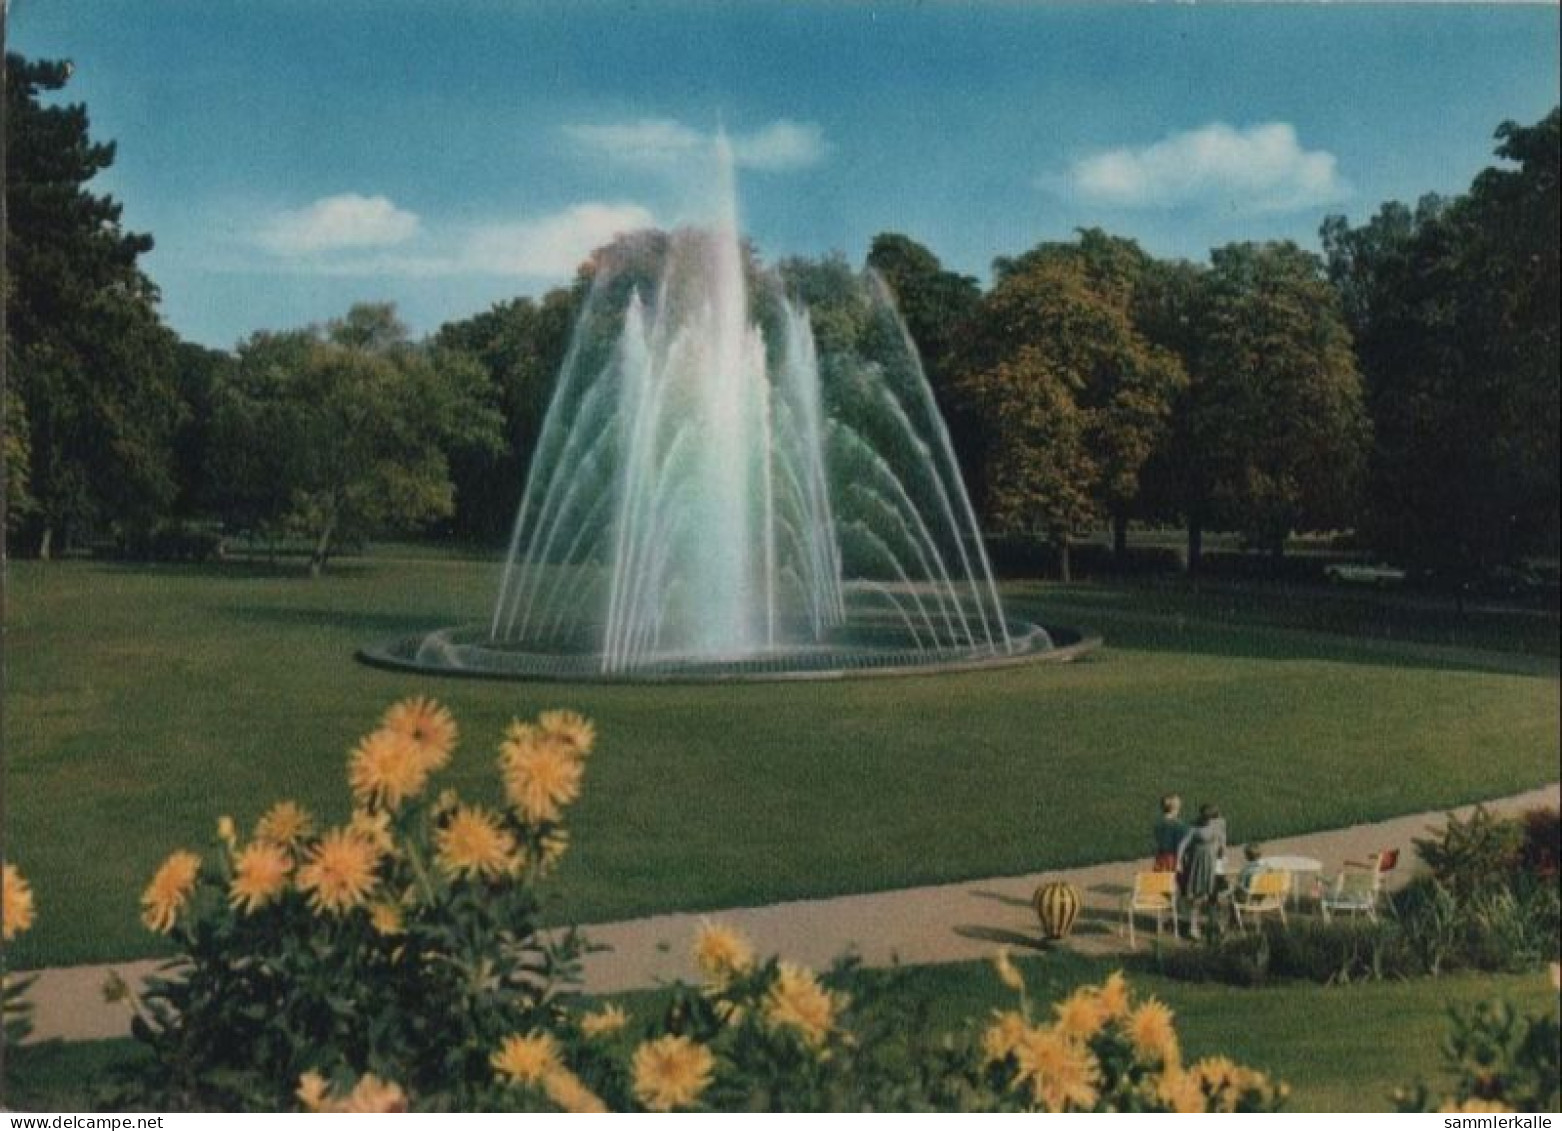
345, 430
935, 303
198, 372
1454, 306
521, 345
1278, 429
1039, 468
92, 362
1075, 305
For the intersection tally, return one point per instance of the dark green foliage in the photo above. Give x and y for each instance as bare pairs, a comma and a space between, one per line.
1497, 1056
345, 430
92, 362
521, 346
1276, 428
1455, 311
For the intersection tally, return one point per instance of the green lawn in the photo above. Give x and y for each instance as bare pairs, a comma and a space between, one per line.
144, 702
1340, 1048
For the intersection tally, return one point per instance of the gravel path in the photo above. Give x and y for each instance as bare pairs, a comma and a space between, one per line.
915, 926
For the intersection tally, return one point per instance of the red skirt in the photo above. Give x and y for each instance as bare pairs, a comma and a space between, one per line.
1165, 862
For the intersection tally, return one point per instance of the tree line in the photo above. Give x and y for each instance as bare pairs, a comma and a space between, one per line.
1403, 383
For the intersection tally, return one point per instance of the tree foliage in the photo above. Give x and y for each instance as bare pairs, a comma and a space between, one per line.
1066, 316
520, 344
92, 361
345, 429
1454, 306
1277, 428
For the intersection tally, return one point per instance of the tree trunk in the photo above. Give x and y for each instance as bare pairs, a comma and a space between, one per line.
1120, 539
46, 543
1065, 572
1195, 545
322, 547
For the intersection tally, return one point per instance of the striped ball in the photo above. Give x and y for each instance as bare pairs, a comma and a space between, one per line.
1057, 906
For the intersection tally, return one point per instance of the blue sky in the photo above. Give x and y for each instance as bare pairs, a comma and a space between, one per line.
291, 157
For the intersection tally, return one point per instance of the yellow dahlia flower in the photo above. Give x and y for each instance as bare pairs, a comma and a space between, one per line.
370, 1096
797, 1001
260, 874
571, 728
286, 823
720, 952
1114, 996
386, 919
374, 827
429, 726
338, 873
540, 773
1150, 1029
1062, 1073
1002, 1037
169, 891
385, 769
671, 1072
472, 843
16, 903
528, 1059
1080, 1015
1181, 1091
604, 1022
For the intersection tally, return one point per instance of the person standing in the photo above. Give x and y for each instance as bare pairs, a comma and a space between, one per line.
1200, 859
1168, 832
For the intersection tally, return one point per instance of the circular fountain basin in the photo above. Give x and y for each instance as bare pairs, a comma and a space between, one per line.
857, 650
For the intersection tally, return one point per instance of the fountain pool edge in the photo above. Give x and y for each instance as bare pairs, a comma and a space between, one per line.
402, 654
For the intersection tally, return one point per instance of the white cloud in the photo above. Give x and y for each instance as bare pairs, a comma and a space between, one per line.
1262, 168
780, 146
550, 246
650, 141
336, 222
663, 143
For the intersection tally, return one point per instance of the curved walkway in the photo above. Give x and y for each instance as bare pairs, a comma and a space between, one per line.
946, 923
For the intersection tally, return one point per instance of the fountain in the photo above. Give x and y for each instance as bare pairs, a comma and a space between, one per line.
718, 491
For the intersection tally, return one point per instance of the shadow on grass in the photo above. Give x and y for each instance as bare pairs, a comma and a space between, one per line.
1131, 630
370, 626
999, 935
240, 569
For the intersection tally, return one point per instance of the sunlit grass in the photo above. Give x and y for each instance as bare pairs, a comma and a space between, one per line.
144, 702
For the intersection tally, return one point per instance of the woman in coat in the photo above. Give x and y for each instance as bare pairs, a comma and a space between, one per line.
1199, 861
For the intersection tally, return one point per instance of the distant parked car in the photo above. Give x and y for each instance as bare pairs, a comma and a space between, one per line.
1380, 574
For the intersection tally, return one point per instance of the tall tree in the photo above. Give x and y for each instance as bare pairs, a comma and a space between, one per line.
1455, 308
1039, 468
1074, 305
935, 303
346, 430
1278, 427
521, 345
92, 362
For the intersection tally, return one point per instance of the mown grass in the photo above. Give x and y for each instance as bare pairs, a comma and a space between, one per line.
145, 701
1341, 1048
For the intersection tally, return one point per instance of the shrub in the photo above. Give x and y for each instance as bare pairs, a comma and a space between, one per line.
403, 944
17, 912
1542, 848
1428, 931
1327, 953
1501, 1060
1475, 854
